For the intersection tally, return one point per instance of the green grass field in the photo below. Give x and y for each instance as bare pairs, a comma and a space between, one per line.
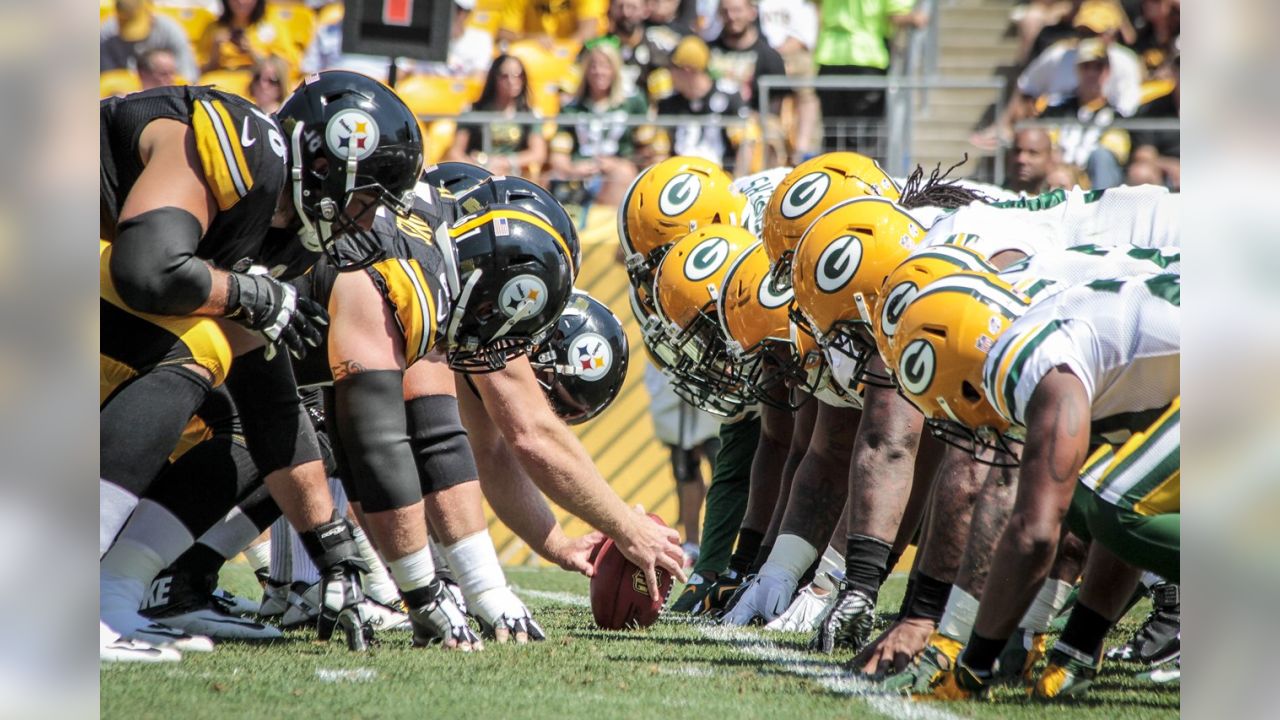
674, 669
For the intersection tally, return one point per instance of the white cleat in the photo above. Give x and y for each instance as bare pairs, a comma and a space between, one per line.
235, 604
214, 622
384, 617
303, 606
113, 648
163, 636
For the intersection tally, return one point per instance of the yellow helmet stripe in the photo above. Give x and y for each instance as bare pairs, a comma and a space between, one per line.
523, 216
980, 288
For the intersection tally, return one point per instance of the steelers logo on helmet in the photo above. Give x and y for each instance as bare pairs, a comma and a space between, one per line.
917, 366
352, 133
591, 356
894, 303
770, 298
521, 289
838, 263
806, 193
706, 258
679, 194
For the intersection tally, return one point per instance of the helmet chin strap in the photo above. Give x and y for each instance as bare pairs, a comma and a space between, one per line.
523, 310
309, 237
460, 307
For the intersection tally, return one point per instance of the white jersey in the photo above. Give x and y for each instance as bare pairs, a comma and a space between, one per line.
1145, 216
841, 367
1047, 273
1120, 337
758, 188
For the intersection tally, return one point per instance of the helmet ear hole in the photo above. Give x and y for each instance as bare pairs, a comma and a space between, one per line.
969, 392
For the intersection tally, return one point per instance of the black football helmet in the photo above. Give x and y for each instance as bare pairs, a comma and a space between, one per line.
348, 134
515, 278
583, 363
455, 177
527, 195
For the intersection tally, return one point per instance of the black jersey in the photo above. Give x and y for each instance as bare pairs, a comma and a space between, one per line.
412, 278
241, 152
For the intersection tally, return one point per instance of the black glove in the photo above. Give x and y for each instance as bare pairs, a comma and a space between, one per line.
274, 310
333, 549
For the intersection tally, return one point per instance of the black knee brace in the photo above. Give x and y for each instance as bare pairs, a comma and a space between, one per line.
440, 446
372, 430
277, 429
140, 425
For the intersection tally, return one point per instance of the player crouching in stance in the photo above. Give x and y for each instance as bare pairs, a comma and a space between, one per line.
1089, 377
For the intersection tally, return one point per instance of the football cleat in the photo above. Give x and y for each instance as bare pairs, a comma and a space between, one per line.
961, 683
722, 594
1020, 654
440, 620
847, 622
810, 604
302, 606
1159, 639
1068, 674
693, 595
1163, 674
275, 600
113, 648
235, 604
499, 609
937, 658
163, 636
182, 602
383, 616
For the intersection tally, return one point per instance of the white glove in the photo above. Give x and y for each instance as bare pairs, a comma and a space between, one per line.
500, 608
808, 606
769, 594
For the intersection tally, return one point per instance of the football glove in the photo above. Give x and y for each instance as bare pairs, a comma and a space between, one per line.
847, 622
764, 597
439, 620
961, 683
803, 614
1068, 674
1020, 654
500, 608
275, 311
937, 658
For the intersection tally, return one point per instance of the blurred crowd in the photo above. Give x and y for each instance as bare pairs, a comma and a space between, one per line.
1082, 65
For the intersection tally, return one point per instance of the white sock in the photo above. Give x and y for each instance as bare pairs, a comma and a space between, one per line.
281, 553
377, 582
1048, 603
114, 506
231, 534
791, 556
259, 556
157, 531
413, 571
474, 563
304, 570
957, 620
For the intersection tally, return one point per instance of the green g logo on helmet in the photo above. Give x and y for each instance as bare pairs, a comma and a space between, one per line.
679, 194
706, 258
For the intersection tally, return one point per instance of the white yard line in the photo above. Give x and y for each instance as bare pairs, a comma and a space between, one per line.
825, 673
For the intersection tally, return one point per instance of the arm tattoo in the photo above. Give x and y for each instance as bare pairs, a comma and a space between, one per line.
345, 368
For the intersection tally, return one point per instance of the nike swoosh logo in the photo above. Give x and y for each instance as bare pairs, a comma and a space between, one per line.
245, 140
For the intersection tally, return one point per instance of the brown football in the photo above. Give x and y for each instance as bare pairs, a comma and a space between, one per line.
619, 593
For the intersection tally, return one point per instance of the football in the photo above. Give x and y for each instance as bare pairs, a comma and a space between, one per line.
619, 593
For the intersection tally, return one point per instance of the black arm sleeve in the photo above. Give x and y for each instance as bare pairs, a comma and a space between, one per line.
370, 418
154, 265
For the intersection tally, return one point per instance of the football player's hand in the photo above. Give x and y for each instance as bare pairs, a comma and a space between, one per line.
274, 310
895, 649
575, 554
651, 546
809, 605
504, 617
767, 596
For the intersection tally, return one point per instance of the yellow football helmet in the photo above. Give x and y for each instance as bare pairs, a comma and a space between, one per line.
809, 190
907, 280
755, 322
687, 285
666, 202
838, 269
944, 336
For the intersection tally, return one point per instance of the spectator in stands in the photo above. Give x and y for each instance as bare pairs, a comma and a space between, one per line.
1053, 77
1157, 32
1158, 153
791, 28
627, 27
591, 145
653, 145
666, 13
1029, 162
697, 94
551, 20
853, 39
663, 31
1084, 140
740, 54
515, 148
268, 87
470, 48
136, 29
157, 67
1039, 20
1065, 176
242, 36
